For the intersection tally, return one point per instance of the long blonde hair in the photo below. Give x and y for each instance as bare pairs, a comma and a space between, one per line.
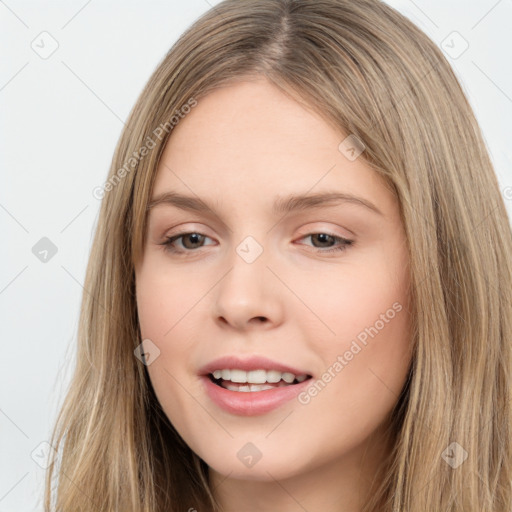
368, 71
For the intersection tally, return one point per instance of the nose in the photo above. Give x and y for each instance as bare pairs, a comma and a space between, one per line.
249, 296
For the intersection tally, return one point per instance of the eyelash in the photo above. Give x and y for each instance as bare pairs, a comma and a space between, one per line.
168, 244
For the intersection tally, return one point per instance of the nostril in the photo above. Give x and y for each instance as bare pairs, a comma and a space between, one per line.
258, 319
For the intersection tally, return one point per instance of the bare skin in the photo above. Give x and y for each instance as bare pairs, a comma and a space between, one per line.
239, 149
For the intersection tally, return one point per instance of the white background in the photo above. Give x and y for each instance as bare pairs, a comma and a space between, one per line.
61, 118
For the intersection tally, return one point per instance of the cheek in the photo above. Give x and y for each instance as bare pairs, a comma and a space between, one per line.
355, 297
162, 317
152, 303
365, 364
366, 317
161, 299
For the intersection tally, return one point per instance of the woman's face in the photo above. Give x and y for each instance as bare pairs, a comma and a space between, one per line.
264, 275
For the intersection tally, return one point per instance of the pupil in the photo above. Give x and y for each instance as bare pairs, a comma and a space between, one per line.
323, 237
193, 236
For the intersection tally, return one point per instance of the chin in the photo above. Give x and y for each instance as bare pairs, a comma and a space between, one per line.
273, 465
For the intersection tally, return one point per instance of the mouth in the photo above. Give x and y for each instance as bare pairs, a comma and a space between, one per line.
255, 380
252, 386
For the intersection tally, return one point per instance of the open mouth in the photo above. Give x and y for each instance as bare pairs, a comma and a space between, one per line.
259, 381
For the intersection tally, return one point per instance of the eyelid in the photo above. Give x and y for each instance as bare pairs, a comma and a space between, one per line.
308, 230
187, 227
190, 227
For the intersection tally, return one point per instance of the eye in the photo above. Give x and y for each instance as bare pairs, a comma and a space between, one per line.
191, 241
327, 238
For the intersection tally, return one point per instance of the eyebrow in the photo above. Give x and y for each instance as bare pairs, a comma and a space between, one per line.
282, 205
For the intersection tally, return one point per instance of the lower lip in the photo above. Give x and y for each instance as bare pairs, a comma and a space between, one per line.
252, 403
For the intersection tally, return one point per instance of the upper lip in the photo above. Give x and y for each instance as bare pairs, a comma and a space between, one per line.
248, 364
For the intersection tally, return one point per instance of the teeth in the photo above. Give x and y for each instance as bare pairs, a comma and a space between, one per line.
288, 377
273, 376
248, 387
256, 377
237, 376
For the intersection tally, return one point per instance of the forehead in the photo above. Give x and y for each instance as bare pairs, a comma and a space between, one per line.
252, 118
250, 142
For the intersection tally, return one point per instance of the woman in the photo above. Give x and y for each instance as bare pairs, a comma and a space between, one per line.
262, 370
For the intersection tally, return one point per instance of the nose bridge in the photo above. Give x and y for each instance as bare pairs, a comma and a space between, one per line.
248, 278
247, 291
250, 250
